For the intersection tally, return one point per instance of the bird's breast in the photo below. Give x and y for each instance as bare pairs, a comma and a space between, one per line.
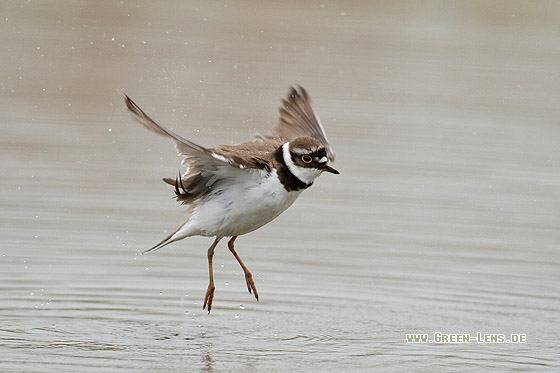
240, 207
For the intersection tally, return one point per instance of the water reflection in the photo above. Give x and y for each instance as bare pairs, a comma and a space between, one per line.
207, 359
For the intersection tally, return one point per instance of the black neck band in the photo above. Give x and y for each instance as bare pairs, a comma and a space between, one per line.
287, 178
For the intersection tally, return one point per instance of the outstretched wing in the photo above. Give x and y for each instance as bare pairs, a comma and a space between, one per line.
299, 118
184, 147
205, 166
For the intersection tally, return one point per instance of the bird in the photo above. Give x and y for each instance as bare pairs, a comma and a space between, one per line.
231, 190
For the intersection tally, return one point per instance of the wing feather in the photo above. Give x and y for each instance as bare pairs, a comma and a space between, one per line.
204, 166
207, 166
183, 146
299, 118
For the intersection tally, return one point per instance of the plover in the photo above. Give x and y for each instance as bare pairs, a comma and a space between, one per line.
231, 190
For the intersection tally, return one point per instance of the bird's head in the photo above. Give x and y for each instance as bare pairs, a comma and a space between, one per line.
306, 158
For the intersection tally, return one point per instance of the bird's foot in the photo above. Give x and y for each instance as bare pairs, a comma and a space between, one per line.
209, 297
251, 285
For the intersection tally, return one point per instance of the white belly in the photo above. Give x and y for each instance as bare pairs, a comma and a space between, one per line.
237, 208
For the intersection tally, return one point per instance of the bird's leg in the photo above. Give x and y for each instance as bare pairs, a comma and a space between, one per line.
210, 291
248, 276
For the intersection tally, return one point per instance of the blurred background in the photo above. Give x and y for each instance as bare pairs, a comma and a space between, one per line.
445, 217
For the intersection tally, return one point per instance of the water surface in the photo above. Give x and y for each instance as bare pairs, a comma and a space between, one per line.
445, 218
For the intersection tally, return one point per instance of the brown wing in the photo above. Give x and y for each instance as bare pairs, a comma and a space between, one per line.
299, 118
205, 166
254, 154
184, 146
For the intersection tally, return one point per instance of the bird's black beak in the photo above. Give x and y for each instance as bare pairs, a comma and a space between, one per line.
329, 169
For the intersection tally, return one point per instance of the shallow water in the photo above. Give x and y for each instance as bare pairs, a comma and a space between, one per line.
445, 218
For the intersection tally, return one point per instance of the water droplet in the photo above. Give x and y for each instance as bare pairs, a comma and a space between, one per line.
160, 293
227, 283
186, 312
236, 315
53, 326
241, 306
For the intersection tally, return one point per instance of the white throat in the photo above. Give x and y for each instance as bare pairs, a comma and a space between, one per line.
304, 174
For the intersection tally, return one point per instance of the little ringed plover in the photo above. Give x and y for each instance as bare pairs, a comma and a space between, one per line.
231, 190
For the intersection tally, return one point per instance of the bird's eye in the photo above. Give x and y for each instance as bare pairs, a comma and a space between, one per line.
306, 158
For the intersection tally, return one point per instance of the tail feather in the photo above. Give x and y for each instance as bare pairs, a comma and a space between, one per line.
167, 240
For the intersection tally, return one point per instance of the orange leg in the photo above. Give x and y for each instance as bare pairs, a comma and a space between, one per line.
248, 276
210, 291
